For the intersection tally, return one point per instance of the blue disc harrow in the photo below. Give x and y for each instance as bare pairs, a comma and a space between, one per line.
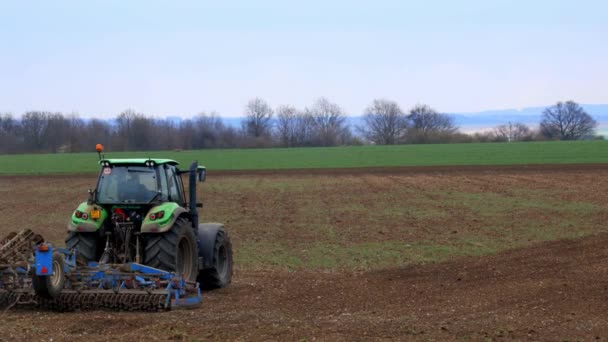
37, 275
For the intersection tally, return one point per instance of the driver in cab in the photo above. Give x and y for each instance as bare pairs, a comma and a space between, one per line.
133, 190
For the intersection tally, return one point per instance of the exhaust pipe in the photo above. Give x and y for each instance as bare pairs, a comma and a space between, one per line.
192, 187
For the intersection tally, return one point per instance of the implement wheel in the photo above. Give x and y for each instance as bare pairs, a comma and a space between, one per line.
174, 251
51, 286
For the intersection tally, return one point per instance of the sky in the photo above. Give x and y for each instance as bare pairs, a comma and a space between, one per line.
179, 58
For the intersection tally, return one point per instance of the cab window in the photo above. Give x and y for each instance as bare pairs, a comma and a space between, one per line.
163, 184
173, 185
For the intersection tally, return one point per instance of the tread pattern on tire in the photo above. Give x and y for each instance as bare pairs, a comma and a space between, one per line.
160, 249
210, 278
86, 244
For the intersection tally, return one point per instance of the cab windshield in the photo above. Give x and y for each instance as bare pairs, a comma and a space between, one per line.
127, 184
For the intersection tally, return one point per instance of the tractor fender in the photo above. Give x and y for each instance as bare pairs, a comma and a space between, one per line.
89, 224
207, 233
172, 212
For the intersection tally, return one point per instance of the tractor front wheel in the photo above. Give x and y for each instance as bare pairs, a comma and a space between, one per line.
175, 250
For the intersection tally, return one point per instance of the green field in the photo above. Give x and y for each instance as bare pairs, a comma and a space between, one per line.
332, 157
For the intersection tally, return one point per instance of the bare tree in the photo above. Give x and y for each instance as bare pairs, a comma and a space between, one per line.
187, 134
229, 137
124, 123
7, 123
567, 121
33, 129
97, 132
258, 120
56, 132
209, 128
513, 132
427, 125
305, 129
295, 128
75, 136
287, 125
330, 127
142, 135
384, 123
484, 137
135, 131
10, 140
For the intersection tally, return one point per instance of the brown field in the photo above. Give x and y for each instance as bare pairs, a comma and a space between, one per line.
430, 253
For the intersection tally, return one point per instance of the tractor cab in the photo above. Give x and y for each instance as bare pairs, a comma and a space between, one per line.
139, 181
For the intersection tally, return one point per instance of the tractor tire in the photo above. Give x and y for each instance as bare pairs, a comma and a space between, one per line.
175, 250
51, 286
86, 243
219, 275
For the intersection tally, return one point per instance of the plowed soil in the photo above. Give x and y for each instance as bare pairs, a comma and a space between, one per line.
504, 287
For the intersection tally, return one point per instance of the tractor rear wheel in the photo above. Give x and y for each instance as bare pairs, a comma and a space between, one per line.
175, 250
86, 243
220, 273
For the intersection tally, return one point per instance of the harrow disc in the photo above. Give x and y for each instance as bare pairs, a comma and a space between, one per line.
86, 301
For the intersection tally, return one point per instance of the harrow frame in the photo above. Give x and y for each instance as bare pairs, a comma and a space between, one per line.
129, 286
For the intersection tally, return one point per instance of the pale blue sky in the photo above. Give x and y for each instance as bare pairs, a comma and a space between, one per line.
182, 57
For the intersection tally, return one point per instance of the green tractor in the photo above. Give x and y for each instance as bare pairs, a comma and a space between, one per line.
139, 212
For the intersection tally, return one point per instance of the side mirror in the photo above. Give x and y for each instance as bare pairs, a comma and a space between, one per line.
202, 173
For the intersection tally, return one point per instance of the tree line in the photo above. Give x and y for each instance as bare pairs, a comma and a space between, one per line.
324, 123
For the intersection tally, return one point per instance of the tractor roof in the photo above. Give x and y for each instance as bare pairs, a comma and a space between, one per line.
139, 161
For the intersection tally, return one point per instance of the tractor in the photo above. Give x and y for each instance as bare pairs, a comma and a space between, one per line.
139, 213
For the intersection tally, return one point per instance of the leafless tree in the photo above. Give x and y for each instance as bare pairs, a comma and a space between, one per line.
384, 123
57, 129
567, 121
513, 132
295, 128
305, 129
10, 140
7, 123
205, 130
186, 132
124, 123
258, 119
74, 140
483, 137
209, 128
429, 126
33, 129
287, 125
330, 127
133, 131
97, 132
229, 138
54, 132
